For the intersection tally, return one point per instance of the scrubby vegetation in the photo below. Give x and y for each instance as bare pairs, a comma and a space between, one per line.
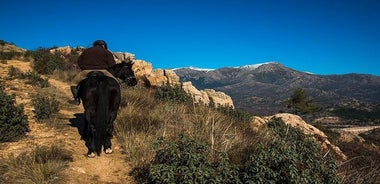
44, 106
44, 164
360, 115
168, 139
364, 163
31, 77
46, 62
13, 121
213, 147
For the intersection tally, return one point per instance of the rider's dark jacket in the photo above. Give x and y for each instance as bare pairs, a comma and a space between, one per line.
96, 57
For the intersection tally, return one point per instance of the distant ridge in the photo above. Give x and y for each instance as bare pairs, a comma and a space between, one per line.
254, 66
261, 88
194, 68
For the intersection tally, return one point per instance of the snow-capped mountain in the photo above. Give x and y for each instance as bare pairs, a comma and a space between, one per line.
261, 88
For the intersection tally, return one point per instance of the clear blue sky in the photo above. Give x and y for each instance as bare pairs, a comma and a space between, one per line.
318, 36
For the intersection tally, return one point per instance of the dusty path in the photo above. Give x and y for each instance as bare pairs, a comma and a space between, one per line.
103, 169
358, 130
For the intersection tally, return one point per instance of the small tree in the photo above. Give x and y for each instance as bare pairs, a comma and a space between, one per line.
301, 103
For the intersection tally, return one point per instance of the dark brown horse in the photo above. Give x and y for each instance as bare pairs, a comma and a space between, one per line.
101, 97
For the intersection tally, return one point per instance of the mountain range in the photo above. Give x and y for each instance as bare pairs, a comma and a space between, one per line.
262, 88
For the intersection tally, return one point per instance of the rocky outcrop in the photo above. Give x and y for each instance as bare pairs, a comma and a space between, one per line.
62, 50
123, 56
148, 77
219, 98
198, 96
153, 78
297, 122
208, 96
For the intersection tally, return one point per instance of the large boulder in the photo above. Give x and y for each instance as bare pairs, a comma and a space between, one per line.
219, 98
153, 78
198, 96
208, 96
123, 56
297, 122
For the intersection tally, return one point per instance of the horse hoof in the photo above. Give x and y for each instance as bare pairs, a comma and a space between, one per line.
108, 151
91, 155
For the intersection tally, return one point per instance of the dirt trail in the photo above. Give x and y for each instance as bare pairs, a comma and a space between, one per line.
358, 130
101, 169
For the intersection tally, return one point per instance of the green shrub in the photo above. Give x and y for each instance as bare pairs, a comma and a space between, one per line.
173, 94
13, 121
187, 161
14, 72
44, 106
235, 113
10, 55
46, 62
292, 157
36, 79
33, 78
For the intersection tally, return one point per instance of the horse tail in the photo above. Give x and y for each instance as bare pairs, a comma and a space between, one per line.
102, 115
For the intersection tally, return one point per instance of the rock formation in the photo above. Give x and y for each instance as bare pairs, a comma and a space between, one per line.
123, 56
219, 98
297, 122
155, 78
198, 96
150, 78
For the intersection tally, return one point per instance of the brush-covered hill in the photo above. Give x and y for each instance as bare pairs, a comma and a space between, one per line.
161, 137
262, 88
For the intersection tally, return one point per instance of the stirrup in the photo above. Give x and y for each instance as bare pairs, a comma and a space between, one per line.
75, 101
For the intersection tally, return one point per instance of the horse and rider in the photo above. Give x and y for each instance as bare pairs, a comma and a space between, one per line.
95, 58
97, 85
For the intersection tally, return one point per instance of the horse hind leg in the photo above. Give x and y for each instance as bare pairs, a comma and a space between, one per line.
90, 141
108, 143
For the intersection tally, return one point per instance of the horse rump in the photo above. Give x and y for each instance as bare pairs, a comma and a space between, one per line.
101, 99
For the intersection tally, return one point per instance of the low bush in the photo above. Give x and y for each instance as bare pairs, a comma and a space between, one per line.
291, 157
173, 94
46, 62
13, 121
44, 106
32, 78
187, 161
235, 113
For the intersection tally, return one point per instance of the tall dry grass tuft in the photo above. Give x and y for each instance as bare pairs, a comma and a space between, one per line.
364, 165
64, 75
41, 165
143, 119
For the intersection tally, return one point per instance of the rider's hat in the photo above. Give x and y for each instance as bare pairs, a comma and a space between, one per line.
100, 42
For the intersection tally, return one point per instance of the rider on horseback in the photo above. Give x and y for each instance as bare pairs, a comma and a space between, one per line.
95, 58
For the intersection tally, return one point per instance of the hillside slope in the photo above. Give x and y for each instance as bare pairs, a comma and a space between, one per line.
102, 169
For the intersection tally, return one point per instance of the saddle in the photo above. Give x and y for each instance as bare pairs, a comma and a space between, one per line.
95, 74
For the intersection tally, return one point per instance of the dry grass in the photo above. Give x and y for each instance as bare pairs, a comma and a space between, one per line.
364, 165
142, 119
42, 165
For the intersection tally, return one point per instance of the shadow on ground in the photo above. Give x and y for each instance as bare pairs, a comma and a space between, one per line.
79, 123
